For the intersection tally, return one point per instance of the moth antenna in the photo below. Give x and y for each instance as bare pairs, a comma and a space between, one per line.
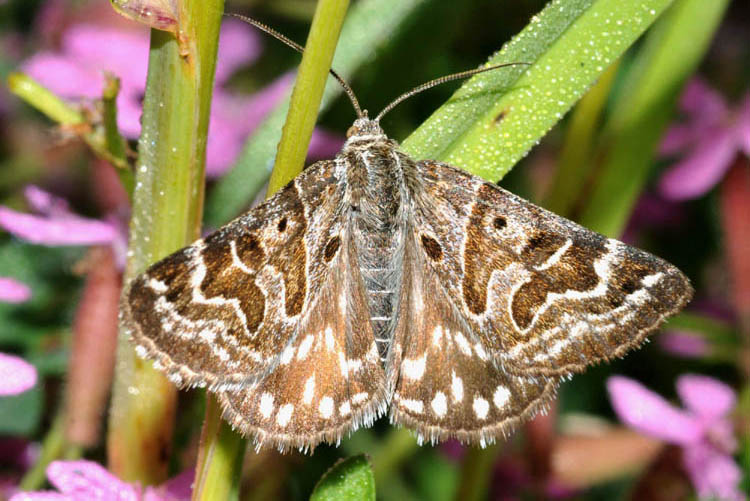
432, 83
294, 45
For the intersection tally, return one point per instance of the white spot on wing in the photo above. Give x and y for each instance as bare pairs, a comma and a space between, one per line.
222, 353
330, 342
501, 396
345, 409
481, 407
652, 280
418, 303
414, 368
358, 398
309, 392
457, 388
266, 405
481, 353
326, 407
437, 336
354, 364
343, 365
157, 285
304, 347
463, 344
287, 355
439, 404
415, 406
284, 415
372, 354
639, 297
207, 335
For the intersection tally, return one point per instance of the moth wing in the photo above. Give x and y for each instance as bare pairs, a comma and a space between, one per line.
445, 385
327, 385
219, 311
543, 295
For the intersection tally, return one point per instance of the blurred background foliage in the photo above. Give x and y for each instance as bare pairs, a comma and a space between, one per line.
434, 38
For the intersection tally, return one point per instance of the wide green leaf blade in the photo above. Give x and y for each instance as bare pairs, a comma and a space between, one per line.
494, 119
350, 478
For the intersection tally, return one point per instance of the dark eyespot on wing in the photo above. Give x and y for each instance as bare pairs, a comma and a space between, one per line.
432, 248
332, 248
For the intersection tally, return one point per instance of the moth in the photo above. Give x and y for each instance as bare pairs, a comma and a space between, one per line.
373, 283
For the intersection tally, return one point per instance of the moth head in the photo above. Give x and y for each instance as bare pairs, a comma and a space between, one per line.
364, 126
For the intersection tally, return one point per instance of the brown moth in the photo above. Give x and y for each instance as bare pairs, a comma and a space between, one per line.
373, 283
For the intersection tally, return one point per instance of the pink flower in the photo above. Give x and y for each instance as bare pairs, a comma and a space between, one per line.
16, 374
13, 291
684, 344
652, 212
698, 341
709, 139
56, 225
89, 481
702, 429
87, 51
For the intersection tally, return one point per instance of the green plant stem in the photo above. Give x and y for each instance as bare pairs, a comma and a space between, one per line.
308, 91
43, 99
167, 206
672, 52
107, 143
398, 445
475, 473
114, 143
220, 456
54, 446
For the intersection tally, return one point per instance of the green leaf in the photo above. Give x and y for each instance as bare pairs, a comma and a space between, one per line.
719, 331
493, 120
25, 326
435, 476
350, 478
50, 362
19, 414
